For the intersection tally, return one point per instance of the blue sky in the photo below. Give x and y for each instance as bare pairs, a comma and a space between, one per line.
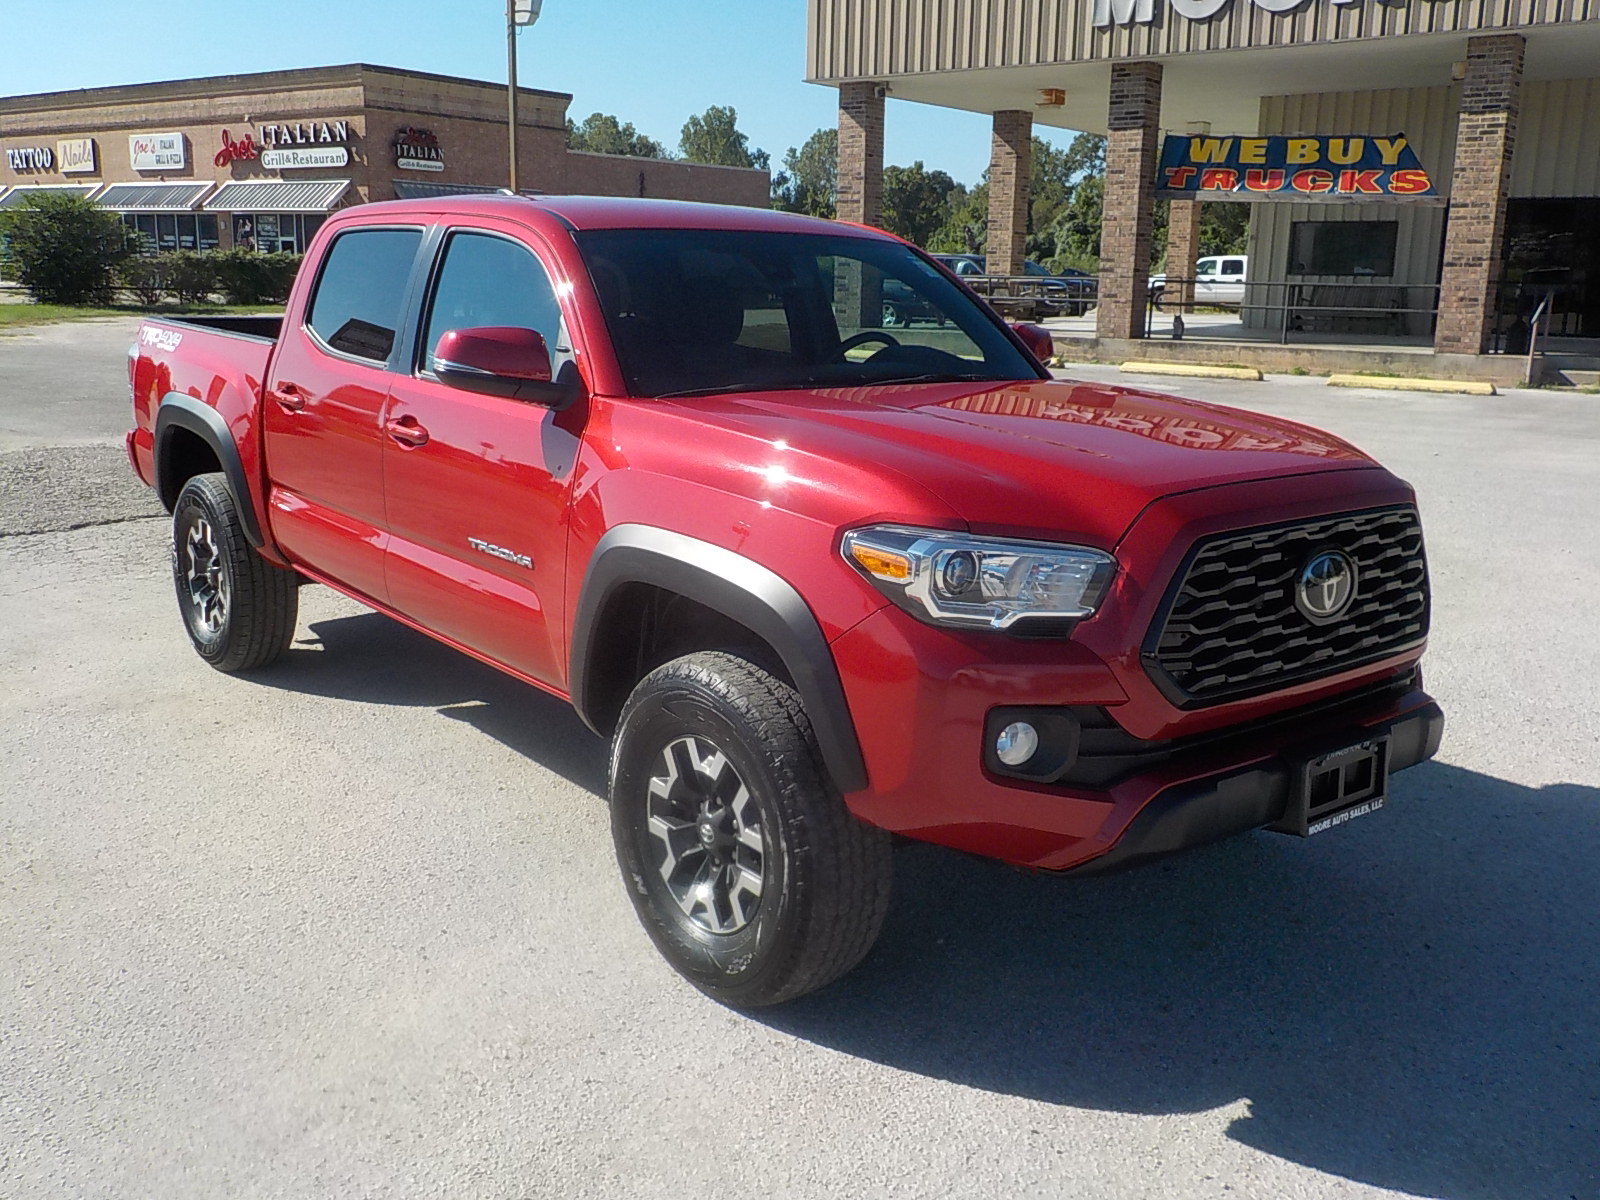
651, 62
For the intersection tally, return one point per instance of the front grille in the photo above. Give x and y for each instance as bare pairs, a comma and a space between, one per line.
1231, 629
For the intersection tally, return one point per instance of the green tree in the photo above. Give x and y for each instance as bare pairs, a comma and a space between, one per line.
714, 137
1224, 228
602, 133
1053, 184
966, 225
65, 249
1078, 232
809, 181
917, 202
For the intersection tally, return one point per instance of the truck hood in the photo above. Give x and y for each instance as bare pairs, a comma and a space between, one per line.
1049, 459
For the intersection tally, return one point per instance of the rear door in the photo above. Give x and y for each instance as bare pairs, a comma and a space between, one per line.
321, 411
477, 485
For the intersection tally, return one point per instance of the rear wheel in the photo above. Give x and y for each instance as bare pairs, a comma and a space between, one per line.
746, 869
238, 608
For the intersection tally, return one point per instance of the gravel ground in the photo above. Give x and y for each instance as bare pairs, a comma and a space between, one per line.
352, 926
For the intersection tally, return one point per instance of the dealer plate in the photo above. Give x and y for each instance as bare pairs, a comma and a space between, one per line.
1336, 787
1324, 824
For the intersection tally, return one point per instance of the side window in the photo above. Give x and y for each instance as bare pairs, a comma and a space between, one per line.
362, 290
1233, 266
1206, 266
489, 280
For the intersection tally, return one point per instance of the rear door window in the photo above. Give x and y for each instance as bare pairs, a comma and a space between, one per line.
362, 291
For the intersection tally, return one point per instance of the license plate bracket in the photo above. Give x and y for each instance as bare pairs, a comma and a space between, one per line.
1337, 786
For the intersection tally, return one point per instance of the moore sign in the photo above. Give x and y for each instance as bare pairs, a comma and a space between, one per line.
1143, 12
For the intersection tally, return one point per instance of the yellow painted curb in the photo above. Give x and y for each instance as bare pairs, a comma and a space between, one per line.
1465, 387
1196, 370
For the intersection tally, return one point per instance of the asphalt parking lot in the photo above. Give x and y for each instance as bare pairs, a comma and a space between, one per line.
352, 926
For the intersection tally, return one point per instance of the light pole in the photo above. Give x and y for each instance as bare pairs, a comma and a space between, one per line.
518, 12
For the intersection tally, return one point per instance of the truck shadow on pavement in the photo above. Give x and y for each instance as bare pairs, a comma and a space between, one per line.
374, 659
1411, 1003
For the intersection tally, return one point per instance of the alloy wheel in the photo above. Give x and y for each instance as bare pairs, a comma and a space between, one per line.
705, 830
206, 578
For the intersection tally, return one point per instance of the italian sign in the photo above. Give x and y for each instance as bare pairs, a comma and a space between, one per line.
157, 152
417, 150
295, 159
1299, 169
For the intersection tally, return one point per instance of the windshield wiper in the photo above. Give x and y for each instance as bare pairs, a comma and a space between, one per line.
702, 391
933, 377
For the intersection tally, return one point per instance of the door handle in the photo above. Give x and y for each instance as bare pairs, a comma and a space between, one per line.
291, 397
406, 431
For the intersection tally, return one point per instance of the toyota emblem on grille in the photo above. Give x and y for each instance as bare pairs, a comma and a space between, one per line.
1326, 586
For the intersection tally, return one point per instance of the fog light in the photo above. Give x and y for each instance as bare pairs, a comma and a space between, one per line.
1016, 743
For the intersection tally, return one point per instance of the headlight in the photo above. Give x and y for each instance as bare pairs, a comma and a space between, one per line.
973, 582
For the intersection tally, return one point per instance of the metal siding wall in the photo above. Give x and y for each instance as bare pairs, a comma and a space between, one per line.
1558, 139
871, 39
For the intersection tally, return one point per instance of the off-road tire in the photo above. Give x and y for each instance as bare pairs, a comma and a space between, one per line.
239, 609
825, 876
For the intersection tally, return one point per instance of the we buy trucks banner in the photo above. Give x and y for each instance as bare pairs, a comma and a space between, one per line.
1298, 169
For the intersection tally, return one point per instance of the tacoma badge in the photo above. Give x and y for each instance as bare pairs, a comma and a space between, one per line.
489, 548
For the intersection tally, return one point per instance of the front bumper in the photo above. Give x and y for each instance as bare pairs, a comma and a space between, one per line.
922, 702
1220, 806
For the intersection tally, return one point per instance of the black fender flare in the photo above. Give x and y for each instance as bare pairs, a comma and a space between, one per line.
181, 411
741, 590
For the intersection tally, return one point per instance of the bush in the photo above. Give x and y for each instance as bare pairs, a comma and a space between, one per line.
191, 276
143, 275
66, 250
245, 277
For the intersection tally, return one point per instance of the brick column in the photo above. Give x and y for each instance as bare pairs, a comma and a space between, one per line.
858, 294
1134, 118
1183, 247
1486, 134
861, 153
1010, 173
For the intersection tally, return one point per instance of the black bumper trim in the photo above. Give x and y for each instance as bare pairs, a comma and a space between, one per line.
1208, 810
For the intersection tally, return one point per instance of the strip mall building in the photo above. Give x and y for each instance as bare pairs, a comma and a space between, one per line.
260, 160
1423, 169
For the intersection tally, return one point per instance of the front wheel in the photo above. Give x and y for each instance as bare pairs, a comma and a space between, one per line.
238, 608
746, 869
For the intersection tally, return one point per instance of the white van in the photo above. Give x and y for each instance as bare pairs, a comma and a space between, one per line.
1218, 281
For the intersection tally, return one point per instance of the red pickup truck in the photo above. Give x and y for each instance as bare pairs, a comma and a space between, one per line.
819, 581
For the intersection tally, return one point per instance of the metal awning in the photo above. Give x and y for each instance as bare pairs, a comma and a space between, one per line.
274, 195
16, 195
412, 189
153, 197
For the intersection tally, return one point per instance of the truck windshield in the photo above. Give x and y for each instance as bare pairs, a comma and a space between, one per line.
694, 311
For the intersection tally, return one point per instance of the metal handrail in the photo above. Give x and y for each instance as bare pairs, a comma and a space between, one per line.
1288, 308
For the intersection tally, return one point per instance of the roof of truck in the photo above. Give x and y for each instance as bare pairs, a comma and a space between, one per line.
618, 212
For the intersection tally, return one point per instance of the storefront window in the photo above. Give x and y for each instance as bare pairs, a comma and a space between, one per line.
173, 231
1552, 255
1360, 248
274, 232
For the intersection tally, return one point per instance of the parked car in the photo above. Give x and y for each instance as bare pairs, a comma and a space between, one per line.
902, 306
1069, 294
1219, 281
819, 582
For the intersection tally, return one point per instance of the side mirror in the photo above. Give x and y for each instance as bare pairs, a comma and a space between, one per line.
500, 360
1038, 341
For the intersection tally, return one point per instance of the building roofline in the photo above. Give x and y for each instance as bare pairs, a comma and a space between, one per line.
344, 74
